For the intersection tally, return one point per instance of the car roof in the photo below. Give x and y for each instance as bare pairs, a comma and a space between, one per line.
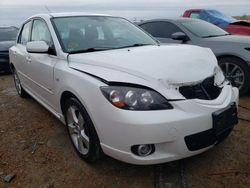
67, 14
195, 10
8, 27
179, 20
190, 10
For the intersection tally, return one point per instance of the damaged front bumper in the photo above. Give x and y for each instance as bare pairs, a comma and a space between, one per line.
168, 131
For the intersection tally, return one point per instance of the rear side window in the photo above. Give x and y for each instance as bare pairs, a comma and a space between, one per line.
161, 29
195, 15
25, 34
40, 32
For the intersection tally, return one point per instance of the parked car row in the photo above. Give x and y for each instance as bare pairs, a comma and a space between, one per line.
122, 93
231, 51
231, 25
7, 39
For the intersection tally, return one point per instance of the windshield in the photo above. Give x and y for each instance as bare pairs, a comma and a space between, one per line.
8, 34
92, 33
203, 29
218, 15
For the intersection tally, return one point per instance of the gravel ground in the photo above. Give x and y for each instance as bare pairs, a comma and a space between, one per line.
36, 149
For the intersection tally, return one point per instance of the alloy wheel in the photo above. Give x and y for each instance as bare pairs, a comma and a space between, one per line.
233, 73
76, 126
17, 83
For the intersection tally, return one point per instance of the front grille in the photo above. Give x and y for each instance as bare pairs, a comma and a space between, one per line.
204, 139
205, 90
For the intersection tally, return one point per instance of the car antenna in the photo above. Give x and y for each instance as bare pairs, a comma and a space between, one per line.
47, 8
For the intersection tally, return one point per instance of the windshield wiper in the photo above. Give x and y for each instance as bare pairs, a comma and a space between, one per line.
210, 36
94, 49
135, 45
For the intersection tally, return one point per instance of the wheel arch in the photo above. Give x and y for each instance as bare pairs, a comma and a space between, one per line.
64, 96
68, 94
219, 57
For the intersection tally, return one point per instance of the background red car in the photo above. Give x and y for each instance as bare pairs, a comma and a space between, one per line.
215, 17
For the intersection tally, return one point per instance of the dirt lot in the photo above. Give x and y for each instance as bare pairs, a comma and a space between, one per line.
35, 147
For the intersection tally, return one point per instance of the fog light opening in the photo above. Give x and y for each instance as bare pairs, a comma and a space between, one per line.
143, 150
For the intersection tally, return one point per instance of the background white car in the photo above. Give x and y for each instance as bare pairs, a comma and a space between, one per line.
120, 92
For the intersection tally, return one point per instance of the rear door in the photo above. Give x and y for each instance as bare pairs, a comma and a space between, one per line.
42, 65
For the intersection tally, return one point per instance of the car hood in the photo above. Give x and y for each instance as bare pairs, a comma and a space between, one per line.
174, 64
231, 38
5, 45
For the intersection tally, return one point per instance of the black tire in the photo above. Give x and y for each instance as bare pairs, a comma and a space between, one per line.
21, 92
243, 67
94, 152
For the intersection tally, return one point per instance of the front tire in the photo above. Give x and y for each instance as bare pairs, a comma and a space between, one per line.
21, 92
237, 72
81, 131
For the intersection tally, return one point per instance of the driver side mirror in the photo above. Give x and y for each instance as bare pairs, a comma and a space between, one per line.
37, 47
180, 36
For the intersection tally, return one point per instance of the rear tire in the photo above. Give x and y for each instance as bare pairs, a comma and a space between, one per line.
21, 92
81, 131
237, 72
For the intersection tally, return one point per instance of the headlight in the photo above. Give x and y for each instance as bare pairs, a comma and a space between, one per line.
130, 98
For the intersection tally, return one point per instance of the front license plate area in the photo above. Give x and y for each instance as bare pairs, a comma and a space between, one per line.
225, 119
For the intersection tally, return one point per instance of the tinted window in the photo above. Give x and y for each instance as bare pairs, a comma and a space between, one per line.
40, 32
80, 33
161, 29
203, 29
24, 38
8, 34
195, 15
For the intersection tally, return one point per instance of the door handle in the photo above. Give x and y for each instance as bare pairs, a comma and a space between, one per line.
28, 60
14, 53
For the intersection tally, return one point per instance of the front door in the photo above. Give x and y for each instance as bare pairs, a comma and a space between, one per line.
42, 65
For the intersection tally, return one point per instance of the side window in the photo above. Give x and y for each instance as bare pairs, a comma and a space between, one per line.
25, 34
40, 32
195, 15
169, 29
161, 29
150, 28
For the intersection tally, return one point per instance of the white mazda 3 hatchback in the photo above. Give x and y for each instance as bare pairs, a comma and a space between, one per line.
121, 93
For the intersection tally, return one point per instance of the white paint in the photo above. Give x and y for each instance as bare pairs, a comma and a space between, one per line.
46, 77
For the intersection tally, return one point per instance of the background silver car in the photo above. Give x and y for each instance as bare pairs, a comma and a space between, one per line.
232, 51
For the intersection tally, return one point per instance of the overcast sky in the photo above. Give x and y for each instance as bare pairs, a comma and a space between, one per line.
125, 2
13, 12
